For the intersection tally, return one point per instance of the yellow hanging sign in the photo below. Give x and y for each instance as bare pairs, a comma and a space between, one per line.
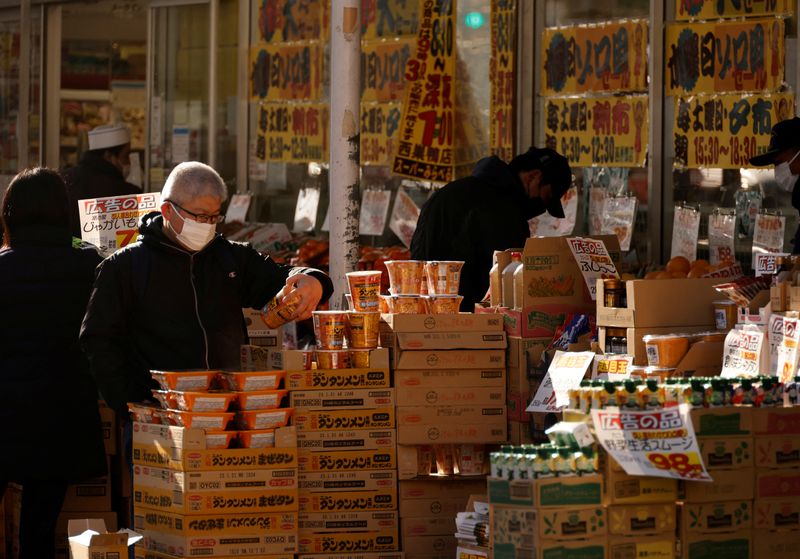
502, 78
292, 132
383, 66
284, 72
379, 125
716, 9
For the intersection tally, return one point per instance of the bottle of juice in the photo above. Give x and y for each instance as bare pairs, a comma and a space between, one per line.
508, 279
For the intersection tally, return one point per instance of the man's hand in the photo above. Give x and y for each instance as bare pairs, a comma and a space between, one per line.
310, 291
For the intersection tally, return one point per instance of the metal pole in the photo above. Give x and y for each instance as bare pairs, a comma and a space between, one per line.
23, 120
213, 43
51, 88
657, 174
242, 122
344, 143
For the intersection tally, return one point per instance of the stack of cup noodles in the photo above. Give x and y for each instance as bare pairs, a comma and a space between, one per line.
465, 459
236, 409
419, 287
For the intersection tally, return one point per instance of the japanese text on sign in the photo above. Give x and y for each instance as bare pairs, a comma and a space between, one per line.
593, 261
425, 144
714, 9
113, 222
502, 78
618, 214
685, 229
388, 18
725, 131
608, 56
405, 214
742, 354
721, 230
590, 131
546, 225
725, 56
659, 443
768, 235
379, 125
566, 371
285, 72
766, 263
383, 65
787, 351
281, 21
295, 133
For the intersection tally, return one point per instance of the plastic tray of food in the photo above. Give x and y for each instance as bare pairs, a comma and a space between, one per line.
250, 381
219, 439
261, 400
257, 438
215, 421
197, 381
263, 419
145, 413
201, 401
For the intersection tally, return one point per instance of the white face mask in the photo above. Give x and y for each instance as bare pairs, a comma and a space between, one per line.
784, 176
195, 235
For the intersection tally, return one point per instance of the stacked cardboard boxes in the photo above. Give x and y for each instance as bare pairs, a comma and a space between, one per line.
776, 521
428, 509
190, 500
346, 434
552, 517
523, 378
719, 515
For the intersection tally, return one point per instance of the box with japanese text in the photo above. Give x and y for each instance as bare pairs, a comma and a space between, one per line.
337, 420
420, 508
461, 322
383, 499
346, 440
730, 545
571, 523
456, 396
777, 514
447, 359
260, 358
425, 546
347, 460
344, 542
89, 495
720, 516
728, 485
62, 532
437, 488
660, 546
491, 430
456, 378
189, 483
723, 422
366, 480
90, 539
442, 339
216, 502
337, 379
541, 320
776, 545
776, 421
295, 360
562, 492
523, 352
333, 522
623, 489
340, 399
215, 525
464, 413
777, 484
779, 451
437, 525
257, 543
646, 519
727, 452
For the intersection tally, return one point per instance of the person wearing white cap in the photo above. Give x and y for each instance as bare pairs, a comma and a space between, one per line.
102, 170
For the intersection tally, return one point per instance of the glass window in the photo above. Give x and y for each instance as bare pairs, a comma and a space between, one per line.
227, 90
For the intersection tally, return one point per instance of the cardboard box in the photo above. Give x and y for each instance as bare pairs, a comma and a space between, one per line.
255, 320
465, 551
440, 339
89, 495
342, 399
449, 359
294, 360
441, 488
220, 546
777, 484
491, 430
522, 351
777, 451
346, 460
381, 555
655, 304
776, 421
643, 547
571, 523
260, 358
335, 420
447, 507
216, 502
461, 322
438, 525
622, 489
383, 499
321, 379
215, 525
346, 440
176, 448
466, 395
583, 491
142, 553
776, 545
722, 422
327, 482
108, 422
90, 539
464, 413
728, 485
62, 531
419, 546
727, 452
541, 320
190, 483
333, 522
636, 520
636, 345
736, 545
721, 516
386, 540
777, 514
476, 378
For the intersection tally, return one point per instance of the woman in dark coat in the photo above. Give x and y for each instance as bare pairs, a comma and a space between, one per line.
50, 433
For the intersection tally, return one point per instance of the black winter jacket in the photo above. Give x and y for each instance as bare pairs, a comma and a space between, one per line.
94, 177
469, 218
158, 306
49, 422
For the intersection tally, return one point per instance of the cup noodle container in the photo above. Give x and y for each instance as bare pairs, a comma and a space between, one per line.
333, 359
405, 276
329, 329
362, 329
443, 276
359, 358
385, 304
349, 299
407, 304
470, 459
445, 459
365, 288
443, 304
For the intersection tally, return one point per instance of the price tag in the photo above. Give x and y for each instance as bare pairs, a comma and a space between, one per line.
659, 443
112, 222
237, 209
544, 401
742, 353
305, 213
786, 368
685, 229
767, 236
374, 206
721, 231
612, 368
765, 263
593, 260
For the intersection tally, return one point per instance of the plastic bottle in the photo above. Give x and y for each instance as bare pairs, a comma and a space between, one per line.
508, 279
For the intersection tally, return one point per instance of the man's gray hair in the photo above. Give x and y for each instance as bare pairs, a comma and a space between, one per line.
191, 180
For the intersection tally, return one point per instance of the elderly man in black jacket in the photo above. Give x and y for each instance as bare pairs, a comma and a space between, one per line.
173, 299
469, 218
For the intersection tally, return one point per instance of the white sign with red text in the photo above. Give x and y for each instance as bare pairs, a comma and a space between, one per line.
593, 261
112, 222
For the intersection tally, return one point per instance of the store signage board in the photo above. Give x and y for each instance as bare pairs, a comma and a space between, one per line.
237, 209
546, 225
379, 125
714, 9
305, 213
766, 263
612, 367
658, 443
775, 339
721, 231
374, 207
502, 78
610, 131
742, 353
723, 131
685, 230
767, 237
405, 213
566, 372
690, 69
593, 261
384, 64
112, 222
788, 350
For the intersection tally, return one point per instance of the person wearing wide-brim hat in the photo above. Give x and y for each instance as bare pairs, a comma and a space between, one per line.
102, 170
784, 153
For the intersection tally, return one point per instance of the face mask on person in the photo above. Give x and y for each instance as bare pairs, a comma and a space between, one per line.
194, 235
784, 176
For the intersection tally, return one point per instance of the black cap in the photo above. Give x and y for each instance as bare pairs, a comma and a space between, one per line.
555, 172
785, 135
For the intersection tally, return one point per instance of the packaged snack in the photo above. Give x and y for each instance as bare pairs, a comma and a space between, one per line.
185, 380
666, 350
257, 438
251, 381
405, 276
443, 277
261, 399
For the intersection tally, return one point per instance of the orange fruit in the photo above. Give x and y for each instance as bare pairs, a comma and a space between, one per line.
678, 275
663, 275
697, 272
700, 263
679, 264
651, 275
